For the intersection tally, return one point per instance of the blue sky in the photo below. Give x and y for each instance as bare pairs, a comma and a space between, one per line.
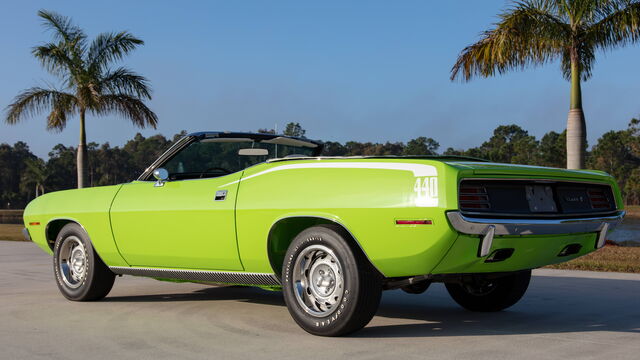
356, 70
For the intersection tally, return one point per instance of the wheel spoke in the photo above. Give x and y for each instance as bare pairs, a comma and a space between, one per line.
318, 280
72, 262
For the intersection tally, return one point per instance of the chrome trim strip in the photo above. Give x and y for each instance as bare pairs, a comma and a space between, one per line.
146, 174
224, 277
25, 233
537, 216
480, 226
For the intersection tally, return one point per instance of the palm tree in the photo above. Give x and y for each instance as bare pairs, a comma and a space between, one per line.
535, 32
89, 84
36, 174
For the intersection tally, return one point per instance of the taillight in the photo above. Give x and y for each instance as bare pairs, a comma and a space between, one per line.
598, 199
473, 198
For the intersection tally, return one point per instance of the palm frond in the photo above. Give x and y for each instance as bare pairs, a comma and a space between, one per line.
66, 51
125, 81
584, 12
108, 47
55, 58
62, 26
128, 107
33, 101
619, 26
528, 34
61, 108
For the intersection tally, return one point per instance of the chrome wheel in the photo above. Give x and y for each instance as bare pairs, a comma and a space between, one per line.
72, 262
318, 280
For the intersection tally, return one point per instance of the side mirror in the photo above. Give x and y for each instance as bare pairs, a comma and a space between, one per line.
161, 175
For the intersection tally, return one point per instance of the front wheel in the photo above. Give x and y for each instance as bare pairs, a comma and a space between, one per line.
329, 287
487, 295
80, 273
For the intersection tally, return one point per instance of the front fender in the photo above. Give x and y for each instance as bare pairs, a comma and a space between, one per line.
89, 207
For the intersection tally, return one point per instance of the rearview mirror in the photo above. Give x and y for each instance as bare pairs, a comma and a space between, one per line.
161, 176
253, 152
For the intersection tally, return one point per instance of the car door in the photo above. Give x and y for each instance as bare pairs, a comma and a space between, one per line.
188, 222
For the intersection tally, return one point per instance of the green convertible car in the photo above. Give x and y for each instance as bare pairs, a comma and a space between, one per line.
330, 232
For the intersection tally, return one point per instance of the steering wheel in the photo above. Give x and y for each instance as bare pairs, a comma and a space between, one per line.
225, 171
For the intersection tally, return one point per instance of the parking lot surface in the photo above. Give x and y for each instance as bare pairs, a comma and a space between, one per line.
564, 315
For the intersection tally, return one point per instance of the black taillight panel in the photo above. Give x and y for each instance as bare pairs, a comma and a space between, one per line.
573, 199
509, 198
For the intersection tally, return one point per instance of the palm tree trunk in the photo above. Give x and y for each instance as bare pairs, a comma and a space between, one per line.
576, 126
81, 161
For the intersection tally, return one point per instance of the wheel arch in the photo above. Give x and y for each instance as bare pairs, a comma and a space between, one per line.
54, 226
285, 229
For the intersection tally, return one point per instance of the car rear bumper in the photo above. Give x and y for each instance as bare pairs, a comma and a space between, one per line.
489, 227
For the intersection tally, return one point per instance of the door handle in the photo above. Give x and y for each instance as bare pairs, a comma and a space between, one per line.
220, 195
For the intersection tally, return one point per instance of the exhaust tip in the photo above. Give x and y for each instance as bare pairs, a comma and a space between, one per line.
570, 249
499, 255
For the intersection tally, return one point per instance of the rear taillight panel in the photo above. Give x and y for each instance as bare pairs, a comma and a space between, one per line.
473, 197
599, 199
515, 197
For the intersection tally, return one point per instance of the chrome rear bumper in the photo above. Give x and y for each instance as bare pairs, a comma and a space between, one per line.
491, 227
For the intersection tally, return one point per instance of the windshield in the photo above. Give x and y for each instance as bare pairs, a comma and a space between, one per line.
212, 157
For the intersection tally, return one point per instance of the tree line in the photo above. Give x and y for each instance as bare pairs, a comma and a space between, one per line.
26, 176
528, 33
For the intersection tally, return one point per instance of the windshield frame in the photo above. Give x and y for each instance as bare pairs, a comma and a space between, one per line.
147, 174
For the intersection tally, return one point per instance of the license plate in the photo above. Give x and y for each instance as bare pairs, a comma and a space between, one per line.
540, 198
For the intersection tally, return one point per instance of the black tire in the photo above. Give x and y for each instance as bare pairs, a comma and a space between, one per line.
95, 281
488, 295
355, 302
417, 288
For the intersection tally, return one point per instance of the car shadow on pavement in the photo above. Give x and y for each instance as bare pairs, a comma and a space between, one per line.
213, 293
552, 305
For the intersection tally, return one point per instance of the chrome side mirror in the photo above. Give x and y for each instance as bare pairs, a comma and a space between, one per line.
161, 175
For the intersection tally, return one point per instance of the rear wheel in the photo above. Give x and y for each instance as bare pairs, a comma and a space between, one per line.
330, 288
80, 273
486, 295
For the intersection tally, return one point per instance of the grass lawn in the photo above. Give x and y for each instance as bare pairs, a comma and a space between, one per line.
11, 232
632, 211
610, 258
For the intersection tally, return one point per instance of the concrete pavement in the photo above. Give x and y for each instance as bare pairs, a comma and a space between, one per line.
564, 315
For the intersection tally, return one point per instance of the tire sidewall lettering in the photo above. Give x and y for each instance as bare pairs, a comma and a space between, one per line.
338, 314
88, 263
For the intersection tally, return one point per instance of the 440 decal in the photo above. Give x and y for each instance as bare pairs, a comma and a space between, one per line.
426, 191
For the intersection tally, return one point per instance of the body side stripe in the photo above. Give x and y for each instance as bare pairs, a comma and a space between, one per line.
418, 170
